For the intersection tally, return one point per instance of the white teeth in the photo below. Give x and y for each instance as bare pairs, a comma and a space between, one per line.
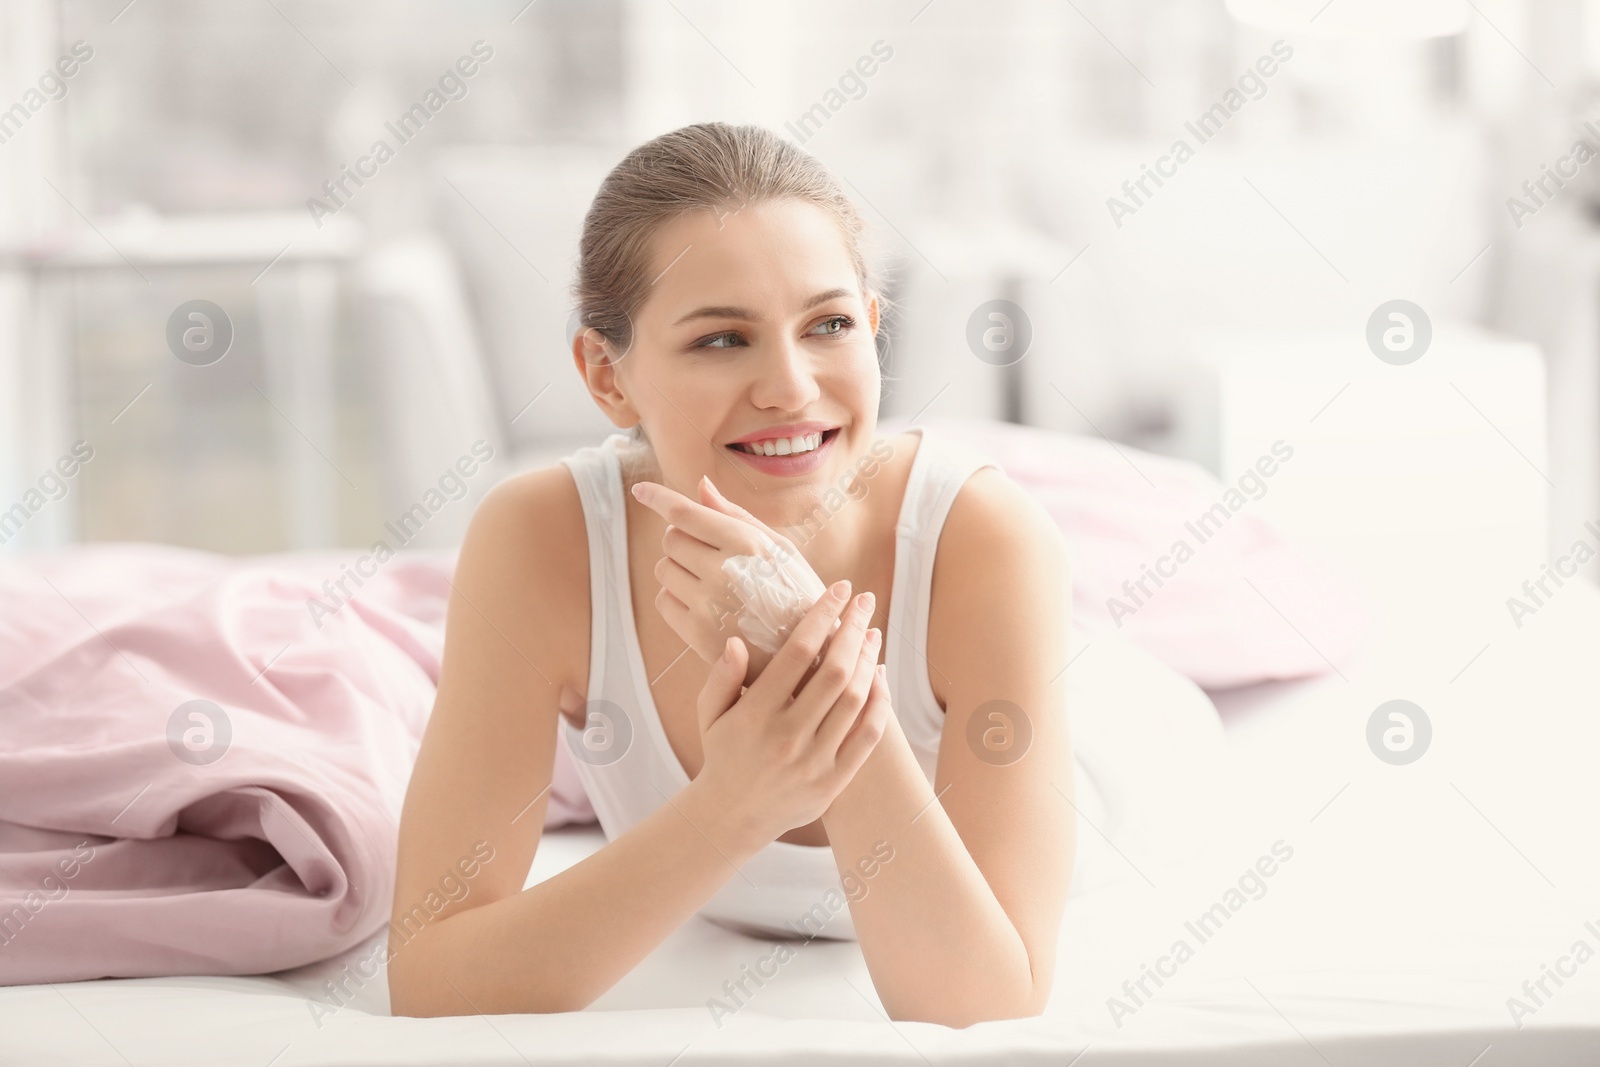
783, 446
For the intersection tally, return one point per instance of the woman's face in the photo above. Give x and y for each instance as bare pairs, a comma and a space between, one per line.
755, 321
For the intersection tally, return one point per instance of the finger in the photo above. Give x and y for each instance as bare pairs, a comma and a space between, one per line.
697, 557
691, 631
838, 665
712, 600
868, 728
713, 527
712, 497
721, 690
782, 675
675, 611
842, 715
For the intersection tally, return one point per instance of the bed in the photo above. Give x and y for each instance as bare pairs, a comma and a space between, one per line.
1409, 909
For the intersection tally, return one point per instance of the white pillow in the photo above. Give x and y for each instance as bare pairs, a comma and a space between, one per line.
1147, 746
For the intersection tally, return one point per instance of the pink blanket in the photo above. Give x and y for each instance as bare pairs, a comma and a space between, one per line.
143, 834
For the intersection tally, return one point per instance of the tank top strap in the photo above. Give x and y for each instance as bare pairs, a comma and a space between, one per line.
938, 470
596, 471
594, 468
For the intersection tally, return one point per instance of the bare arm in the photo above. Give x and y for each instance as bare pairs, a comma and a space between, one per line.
960, 924
558, 945
517, 614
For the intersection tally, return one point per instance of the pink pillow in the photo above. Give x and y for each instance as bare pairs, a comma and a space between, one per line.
1204, 620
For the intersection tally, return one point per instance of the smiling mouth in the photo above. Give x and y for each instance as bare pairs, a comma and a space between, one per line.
760, 449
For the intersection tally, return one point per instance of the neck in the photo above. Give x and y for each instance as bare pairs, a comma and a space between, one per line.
835, 524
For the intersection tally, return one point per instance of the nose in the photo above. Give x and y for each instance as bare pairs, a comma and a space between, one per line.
786, 378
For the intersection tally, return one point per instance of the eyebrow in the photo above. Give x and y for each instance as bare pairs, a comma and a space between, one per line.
725, 312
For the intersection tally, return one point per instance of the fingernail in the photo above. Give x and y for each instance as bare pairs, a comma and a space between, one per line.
840, 589
874, 636
883, 673
638, 491
864, 600
727, 651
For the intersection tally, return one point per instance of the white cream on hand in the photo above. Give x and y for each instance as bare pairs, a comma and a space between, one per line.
776, 589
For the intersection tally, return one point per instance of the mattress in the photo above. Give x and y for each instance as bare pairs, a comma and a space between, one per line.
1336, 908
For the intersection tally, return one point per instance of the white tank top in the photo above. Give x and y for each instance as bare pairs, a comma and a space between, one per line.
623, 757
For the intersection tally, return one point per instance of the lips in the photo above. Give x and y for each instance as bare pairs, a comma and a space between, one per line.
792, 464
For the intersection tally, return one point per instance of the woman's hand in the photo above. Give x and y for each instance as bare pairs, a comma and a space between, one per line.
697, 599
782, 756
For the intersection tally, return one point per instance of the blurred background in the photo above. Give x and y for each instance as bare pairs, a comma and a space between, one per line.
180, 179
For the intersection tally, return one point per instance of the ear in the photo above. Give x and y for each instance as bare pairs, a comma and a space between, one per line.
873, 310
597, 365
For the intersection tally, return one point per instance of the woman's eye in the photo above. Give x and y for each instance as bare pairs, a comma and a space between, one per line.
833, 326
710, 342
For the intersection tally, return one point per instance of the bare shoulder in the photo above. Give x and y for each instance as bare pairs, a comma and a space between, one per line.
1000, 568
524, 567
992, 514
541, 503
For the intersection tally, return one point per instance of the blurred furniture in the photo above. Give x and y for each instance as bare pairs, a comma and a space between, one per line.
1551, 279
1290, 234
297, 268
1412, 477
951, 271
512, 218
429, 374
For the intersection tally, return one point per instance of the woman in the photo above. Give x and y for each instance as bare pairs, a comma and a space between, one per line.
924, 811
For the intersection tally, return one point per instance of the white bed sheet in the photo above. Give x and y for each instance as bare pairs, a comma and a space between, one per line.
1418, 899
